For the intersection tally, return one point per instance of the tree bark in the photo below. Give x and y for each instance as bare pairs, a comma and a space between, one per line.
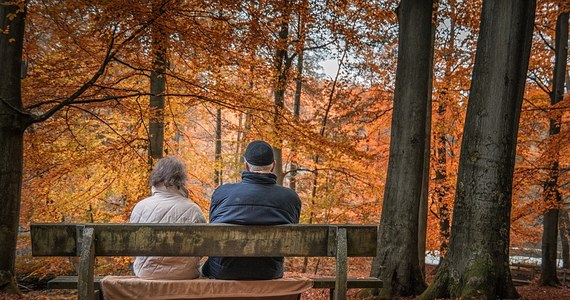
563, 226
441, 188
157, 89
297, 100
218, 151
477, 262
13, 122
397, 254
282, 66
424, 198
551, 189
441, 184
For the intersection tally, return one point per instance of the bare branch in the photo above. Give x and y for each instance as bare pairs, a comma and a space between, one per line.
109, 55
109, 126
82, 89
544, 39
541, 85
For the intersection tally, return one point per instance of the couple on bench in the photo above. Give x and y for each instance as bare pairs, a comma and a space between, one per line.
256, 200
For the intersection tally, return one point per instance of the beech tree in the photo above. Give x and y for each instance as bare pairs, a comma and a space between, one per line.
282, 64
159, 39
477, 261
15, 119
551, 189
13, 122
396, 261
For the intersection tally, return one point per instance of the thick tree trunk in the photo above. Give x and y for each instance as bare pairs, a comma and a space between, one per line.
424, 198
397, 255
563, 226
157, 89
13, 122
551, 189
477, 262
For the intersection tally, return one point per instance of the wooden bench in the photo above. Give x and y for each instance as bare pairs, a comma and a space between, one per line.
524, 274
90, 240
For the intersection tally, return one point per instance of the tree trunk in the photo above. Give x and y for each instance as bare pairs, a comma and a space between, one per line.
282, 66
157, 89
563, 227
218, 152
424, 198
397, 254
13, 122
441, 188
551, 189
297, 100
477, 262
441, 184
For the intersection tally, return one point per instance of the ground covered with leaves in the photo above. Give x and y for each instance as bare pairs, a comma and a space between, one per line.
34, 288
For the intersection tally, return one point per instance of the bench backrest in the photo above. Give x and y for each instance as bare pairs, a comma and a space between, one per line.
203, 240
91, 240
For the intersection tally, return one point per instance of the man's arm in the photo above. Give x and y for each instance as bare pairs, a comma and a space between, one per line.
214, 204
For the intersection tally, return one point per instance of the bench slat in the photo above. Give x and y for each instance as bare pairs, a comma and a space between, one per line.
70, 282
351, 283
202, 240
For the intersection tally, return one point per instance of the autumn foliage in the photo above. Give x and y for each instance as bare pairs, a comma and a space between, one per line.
89, 161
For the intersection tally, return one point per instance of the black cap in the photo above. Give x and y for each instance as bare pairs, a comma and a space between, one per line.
259, 153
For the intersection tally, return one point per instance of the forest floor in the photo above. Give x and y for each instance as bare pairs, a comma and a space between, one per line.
34, 289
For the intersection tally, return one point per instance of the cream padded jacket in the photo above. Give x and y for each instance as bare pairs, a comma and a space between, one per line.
166, 205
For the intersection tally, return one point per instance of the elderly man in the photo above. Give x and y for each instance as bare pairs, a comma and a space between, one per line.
256, 200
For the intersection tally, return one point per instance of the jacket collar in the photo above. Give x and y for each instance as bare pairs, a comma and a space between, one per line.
260, 178
162, 189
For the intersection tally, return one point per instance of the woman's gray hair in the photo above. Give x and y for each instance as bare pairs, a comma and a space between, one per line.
170, 171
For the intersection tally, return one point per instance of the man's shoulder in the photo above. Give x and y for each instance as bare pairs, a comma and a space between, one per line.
286, 190
227, 186
225, 189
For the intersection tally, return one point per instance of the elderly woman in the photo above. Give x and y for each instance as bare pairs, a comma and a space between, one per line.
168, 204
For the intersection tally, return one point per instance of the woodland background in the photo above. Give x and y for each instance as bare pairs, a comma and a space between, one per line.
118, 84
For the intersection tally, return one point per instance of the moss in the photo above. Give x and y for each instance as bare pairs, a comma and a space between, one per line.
8, 283
385, 293
365, 293
439, 287
478, 281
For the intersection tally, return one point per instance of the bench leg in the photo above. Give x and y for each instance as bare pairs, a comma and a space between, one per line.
341, 265
85, 285
98, 295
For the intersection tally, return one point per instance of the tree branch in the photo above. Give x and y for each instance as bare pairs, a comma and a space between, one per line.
82, 89
544, 39
109, 126
109, 55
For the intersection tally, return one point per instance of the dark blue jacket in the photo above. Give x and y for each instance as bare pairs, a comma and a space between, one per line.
257, 200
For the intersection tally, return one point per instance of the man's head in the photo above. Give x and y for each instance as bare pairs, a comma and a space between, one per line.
169, 171
259, 157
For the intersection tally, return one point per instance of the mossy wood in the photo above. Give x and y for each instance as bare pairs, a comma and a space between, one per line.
91, 240
202, 240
